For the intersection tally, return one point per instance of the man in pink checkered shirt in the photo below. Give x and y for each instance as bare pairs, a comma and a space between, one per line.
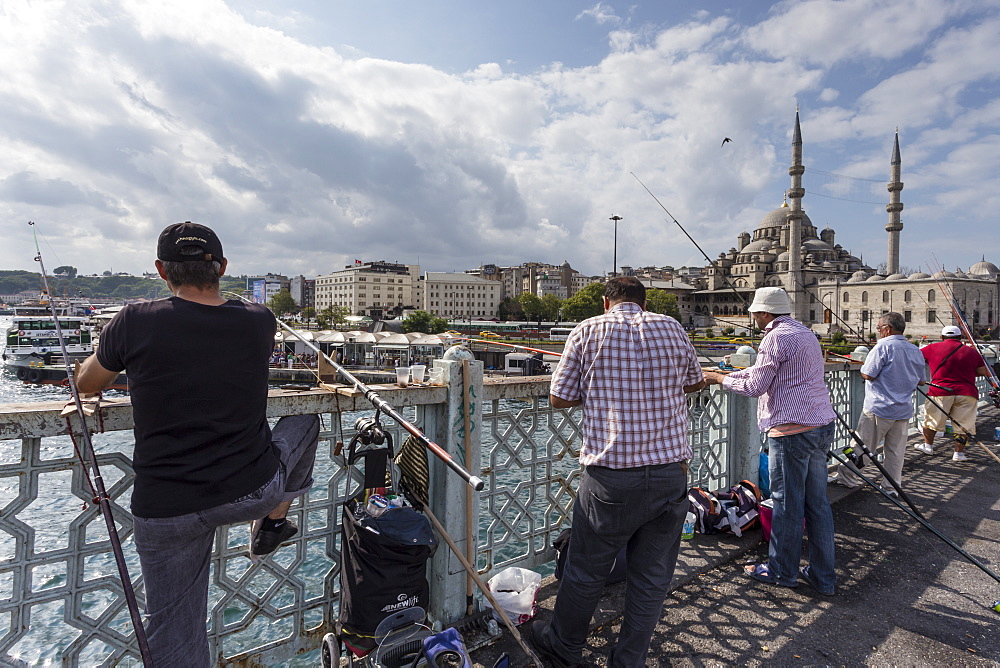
630, 370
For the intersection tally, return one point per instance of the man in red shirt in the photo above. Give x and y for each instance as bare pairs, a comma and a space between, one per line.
954, 367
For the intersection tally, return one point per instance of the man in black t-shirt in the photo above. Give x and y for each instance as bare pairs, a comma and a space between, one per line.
204, 453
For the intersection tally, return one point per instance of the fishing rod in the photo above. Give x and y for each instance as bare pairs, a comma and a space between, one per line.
703, 253
509, 345
878, 465
850, 464
384, 406
100, 494
859, 336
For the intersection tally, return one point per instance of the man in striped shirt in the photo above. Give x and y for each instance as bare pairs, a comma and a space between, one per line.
629, 369
795, 412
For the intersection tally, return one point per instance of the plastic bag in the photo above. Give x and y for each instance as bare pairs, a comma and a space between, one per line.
515, 589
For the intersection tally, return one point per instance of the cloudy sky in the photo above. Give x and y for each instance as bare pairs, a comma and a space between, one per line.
310, 133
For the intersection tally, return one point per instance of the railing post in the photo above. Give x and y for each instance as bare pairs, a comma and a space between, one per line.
448, 491
744, 439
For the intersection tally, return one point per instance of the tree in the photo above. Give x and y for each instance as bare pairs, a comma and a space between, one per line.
551, 305
510, 309
282, 303
65, 271
308, 313
661, 301
532, 306
422, 321
584, 304
331, 315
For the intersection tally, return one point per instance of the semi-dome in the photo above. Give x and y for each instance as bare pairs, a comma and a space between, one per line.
984, 268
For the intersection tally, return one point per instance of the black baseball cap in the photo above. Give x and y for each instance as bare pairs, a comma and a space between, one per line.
177, 242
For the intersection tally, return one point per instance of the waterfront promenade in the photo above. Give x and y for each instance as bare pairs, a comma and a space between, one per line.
904, 597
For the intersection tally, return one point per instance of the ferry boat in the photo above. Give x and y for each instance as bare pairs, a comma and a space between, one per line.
32, 349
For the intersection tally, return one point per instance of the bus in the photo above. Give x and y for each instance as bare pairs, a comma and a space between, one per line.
559, 333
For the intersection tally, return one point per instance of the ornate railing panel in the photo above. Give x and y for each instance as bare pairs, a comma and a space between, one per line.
60, 600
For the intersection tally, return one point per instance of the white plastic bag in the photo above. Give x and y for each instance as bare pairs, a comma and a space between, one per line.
515, 589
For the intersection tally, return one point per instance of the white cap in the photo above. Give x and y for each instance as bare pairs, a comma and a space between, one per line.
770, 300
951, 330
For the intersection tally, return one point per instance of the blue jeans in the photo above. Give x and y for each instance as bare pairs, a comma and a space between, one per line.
797, 465
642, 508
175, 552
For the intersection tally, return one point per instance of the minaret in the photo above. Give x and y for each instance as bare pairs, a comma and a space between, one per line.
894, 207
793, 279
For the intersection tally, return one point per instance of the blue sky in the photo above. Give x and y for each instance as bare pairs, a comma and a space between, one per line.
311, 133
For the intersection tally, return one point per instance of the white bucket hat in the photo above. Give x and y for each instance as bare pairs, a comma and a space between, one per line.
951, 330
770, 300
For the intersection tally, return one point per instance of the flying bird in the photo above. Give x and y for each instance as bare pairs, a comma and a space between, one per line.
725, 140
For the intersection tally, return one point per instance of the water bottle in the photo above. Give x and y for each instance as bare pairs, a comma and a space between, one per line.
687, 532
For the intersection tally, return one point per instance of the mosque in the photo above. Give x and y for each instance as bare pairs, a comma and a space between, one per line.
831, 289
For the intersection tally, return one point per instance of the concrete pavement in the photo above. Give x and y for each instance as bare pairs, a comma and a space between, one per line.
904, 597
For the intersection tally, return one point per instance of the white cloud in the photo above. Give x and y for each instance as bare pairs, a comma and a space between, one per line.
601, 13
117, 118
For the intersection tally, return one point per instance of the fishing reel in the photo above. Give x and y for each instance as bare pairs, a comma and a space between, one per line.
370, 430
856, 457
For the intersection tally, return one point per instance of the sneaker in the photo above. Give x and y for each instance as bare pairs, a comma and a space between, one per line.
890, 491
264, 541
959, 457
925, 448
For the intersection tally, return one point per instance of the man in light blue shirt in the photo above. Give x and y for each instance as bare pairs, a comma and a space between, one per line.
892, 371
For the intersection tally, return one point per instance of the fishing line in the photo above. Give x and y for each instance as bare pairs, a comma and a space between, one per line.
101, 497
703, 253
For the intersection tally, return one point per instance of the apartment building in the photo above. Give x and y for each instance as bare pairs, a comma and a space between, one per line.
457, 296
375, 289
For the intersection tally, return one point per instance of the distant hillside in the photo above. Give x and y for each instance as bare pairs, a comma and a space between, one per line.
98, 288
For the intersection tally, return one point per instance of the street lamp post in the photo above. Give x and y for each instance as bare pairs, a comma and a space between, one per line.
614, 260
829, 328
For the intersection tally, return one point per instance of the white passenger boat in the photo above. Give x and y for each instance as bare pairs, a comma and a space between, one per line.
32, 345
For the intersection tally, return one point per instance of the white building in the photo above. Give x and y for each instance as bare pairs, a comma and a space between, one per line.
457, 296
370, 288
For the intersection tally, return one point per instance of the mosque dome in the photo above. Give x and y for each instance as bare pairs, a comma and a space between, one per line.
779, 218
896, 277
813, 245
944, 274
919, 274
874, 278
756, 246
859, 276
984, 268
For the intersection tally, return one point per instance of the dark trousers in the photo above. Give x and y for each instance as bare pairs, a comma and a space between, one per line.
175, 552
642, 508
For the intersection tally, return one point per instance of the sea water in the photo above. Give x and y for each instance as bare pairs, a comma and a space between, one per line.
50, 515
56, 507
